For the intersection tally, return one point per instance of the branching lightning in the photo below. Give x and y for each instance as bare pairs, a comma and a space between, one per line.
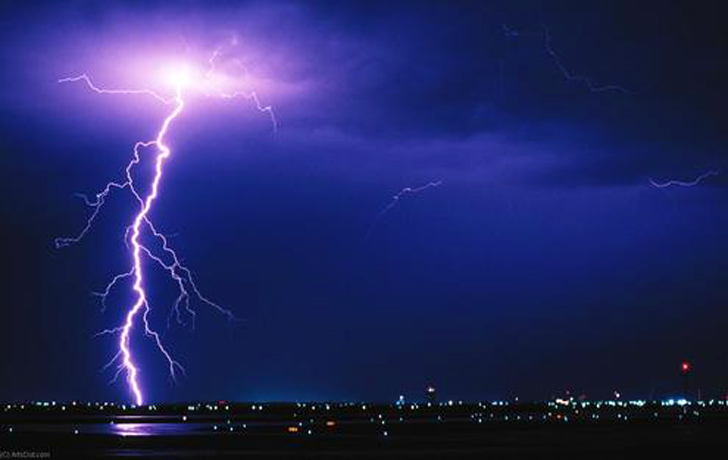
165, 256
395, 200
679, 183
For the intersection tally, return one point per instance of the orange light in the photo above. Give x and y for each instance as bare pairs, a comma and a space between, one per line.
293, 429
330, 423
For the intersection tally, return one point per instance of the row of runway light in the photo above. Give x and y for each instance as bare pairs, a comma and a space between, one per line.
562, 413
558, 402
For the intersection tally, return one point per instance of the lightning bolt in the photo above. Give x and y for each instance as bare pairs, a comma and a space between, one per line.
165, 257
559, 63
251, 95
576, 77
512, 33
395, 200
85, 78
679, 183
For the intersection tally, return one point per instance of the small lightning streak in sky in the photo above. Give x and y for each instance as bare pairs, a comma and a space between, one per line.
85, 78
165, 257
576, 77
512, 33
395, 200
250, 95
679, 183
509, 32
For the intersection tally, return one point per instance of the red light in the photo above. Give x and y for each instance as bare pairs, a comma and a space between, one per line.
685, 367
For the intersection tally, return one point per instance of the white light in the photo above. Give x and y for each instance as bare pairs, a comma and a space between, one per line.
179, 77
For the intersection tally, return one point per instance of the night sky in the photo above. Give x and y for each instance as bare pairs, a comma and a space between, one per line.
544, 262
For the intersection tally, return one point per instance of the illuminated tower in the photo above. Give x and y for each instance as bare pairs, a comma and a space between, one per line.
431, 394
685, 370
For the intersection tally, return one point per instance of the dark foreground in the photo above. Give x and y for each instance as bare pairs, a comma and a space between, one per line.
357, 431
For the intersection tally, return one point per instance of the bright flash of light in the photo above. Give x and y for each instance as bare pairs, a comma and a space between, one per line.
679, 183
180, 78
395, 199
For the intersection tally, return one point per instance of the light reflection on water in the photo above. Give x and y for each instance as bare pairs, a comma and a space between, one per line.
152, 429
118, 429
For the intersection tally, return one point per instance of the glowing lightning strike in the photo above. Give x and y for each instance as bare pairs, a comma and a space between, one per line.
136, 252
168, 260
395, 200
679, 183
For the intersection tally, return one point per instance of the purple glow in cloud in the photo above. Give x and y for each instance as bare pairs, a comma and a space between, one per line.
210, 84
